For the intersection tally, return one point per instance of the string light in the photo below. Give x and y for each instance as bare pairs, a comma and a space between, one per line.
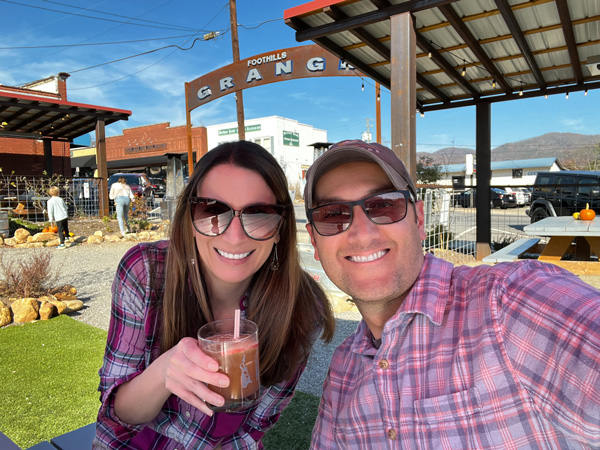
422, 113
363, 86
521, 91
585, 93
545, 95
429, 55
378, 96
464, 71
567, 96
493, 83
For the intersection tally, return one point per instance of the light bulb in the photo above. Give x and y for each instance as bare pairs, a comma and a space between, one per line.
429, 55
464, 71
363, 86
493, 83
567, 96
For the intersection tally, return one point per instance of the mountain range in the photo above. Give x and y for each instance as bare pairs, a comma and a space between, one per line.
574, 151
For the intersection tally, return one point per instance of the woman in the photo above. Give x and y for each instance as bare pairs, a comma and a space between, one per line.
121, 193
232, 246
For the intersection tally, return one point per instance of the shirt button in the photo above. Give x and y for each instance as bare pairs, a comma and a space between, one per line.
392, 434
187, 414
384, 364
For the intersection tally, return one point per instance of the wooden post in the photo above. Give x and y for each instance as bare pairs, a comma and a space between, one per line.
403, 90
102, 168
239, 98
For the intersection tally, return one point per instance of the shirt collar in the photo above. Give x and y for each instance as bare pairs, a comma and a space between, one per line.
428, 296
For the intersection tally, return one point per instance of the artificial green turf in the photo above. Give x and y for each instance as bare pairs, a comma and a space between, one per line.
49, 373
294, 428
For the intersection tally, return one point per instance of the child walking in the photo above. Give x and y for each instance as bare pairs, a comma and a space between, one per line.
57, 212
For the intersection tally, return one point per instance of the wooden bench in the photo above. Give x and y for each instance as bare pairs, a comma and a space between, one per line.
512, 251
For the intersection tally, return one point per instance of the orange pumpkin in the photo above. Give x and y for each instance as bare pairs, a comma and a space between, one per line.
46, 230
587, 213
54, 229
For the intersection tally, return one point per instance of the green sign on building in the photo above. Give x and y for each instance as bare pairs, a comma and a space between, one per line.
234, 130
291, 138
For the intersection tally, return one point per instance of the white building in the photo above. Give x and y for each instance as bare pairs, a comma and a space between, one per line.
519, 172
287, 140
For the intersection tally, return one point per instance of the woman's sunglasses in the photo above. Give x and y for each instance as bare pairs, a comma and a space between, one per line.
212, 217
383, 208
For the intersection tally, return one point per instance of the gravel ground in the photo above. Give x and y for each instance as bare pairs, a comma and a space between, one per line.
91, 269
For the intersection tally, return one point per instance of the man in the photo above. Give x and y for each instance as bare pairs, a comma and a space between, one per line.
487, 357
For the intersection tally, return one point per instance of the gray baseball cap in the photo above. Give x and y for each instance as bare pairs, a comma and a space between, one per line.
352, 151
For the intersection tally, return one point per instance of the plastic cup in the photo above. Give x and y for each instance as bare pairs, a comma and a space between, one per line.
237, 358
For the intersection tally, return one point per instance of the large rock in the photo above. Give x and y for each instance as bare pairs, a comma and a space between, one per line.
144, 235
5, 318
25, 310
95, 239
61, 307
21, 235
10, 242
73, 305
111, 238
47, 310
43, 237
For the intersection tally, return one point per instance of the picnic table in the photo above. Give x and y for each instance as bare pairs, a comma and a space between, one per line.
562, 232
79, 439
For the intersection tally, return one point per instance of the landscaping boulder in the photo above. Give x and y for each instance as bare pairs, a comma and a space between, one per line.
47, 310
42, 237
21, 235
25, 310
73, 305
5, 318
95, 239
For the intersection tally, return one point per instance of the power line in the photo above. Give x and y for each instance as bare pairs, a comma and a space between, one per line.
170, 27
98, 43
118, 15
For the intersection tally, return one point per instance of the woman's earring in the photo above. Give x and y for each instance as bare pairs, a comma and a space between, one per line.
275, 259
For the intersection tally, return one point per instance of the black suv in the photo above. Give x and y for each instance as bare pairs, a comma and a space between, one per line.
563, 193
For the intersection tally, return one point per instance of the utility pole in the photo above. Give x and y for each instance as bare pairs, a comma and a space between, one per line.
239, 98
378, 112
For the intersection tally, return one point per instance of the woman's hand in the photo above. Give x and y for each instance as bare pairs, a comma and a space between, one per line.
187, 372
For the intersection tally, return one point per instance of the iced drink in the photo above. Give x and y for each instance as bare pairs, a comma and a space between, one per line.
238, 359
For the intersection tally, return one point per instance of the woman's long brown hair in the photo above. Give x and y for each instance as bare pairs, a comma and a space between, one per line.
287, 305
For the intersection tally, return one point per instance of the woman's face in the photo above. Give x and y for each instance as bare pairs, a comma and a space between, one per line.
232, 257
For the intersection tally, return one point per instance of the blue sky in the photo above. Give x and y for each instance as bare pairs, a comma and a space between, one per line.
152, 85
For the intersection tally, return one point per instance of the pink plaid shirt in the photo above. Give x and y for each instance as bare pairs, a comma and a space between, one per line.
502, 357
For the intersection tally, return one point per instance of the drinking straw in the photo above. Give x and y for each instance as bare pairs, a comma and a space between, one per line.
236, 325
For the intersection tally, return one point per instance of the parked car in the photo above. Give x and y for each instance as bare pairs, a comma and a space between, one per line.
158, 185
138, 182
519, 195
563, 193
498, 198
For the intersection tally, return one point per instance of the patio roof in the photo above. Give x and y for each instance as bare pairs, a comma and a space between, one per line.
38, 117
468, 51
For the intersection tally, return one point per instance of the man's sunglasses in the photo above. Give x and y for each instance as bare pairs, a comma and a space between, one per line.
211, 217
383, 208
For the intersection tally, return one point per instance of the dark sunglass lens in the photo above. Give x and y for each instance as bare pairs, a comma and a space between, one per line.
385, 208
261, 221
211, 217
332, 219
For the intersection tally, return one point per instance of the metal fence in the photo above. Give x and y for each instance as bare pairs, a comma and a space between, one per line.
450, 223
26, 198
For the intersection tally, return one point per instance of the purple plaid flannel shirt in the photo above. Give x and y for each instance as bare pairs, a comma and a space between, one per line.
133, 343
502, 357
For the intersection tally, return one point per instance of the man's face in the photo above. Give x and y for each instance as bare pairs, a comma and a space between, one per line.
369, 262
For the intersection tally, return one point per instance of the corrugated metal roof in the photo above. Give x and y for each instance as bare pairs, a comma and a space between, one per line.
512, 164
535, 46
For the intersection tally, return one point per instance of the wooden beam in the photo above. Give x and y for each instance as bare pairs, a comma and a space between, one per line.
565, 20
518, 36
471, 42
367, 19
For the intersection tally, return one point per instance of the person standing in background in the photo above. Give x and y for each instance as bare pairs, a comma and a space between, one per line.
57, 212
121, 193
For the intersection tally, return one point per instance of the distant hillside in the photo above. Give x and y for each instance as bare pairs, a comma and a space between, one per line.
572, 150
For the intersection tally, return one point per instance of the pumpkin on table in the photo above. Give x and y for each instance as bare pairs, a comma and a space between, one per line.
587, 213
